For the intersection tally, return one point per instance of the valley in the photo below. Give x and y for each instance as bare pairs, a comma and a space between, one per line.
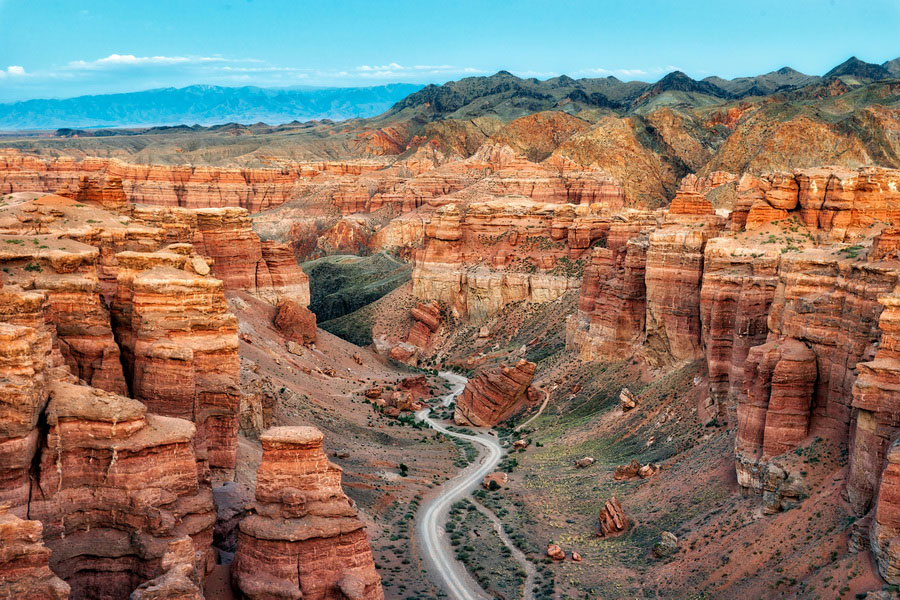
512, 338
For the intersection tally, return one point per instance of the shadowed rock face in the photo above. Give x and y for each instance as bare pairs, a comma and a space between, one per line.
116, 484
305, 539
495, 395
24, 570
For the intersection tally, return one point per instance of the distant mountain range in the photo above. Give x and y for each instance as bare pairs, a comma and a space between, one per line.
502, 95
506, 96
203, 105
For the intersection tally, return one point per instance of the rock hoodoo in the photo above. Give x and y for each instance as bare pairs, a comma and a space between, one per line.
304, 539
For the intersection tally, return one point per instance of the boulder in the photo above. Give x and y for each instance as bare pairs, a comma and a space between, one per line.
295, 322
495, 481
555, 552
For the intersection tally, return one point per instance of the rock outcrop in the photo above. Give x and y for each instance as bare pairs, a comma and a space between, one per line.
115, 486
479, 257
305, 539
106, 180
24, 562
612, 518
295, 322
180, 347
495, 395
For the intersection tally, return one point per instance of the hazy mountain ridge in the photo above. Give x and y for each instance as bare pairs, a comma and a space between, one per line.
203, 105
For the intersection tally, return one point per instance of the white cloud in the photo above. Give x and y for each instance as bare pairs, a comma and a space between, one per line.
12, 71
130, 60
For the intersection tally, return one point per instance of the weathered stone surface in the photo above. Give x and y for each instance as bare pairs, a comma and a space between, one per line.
182, 576
885, 529
305, 540
180, 348
666, 546
612, 518
875, 421
24, 562
481, 256
555, 552
673, 277
115, 486
103, 180
495, 395
297, 323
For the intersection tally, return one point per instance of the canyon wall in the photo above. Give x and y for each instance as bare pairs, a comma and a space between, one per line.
99, 301
482, 256
790, 302
102, 179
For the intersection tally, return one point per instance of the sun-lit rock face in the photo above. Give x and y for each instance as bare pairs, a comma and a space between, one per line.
304, 539
673, 277
104, 181
66, 272
24, 570
739, 282
479, 257
495, 395
180, 348
115, 486
24, 361
836, 200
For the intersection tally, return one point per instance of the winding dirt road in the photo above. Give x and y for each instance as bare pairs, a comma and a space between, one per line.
433, 515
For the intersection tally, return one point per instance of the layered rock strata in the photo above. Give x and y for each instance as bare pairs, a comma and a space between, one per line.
24, 562
103, 180
115, 485
304, 539
495, 395
180, 347
482, 256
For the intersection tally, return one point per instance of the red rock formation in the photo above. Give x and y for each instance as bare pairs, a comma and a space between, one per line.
885, 529
296, 323
289, 282
875, 398
180, 348
673, 276
739, 282
305, 539
612, 518
779, 377
495, 395
115, 485
24, 570
25, 360
100, 179
182, 577
480, 257
612, 304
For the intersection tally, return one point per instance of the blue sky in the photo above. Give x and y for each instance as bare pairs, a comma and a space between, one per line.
66, 48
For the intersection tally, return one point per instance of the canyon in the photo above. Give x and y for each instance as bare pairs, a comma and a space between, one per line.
678, 325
